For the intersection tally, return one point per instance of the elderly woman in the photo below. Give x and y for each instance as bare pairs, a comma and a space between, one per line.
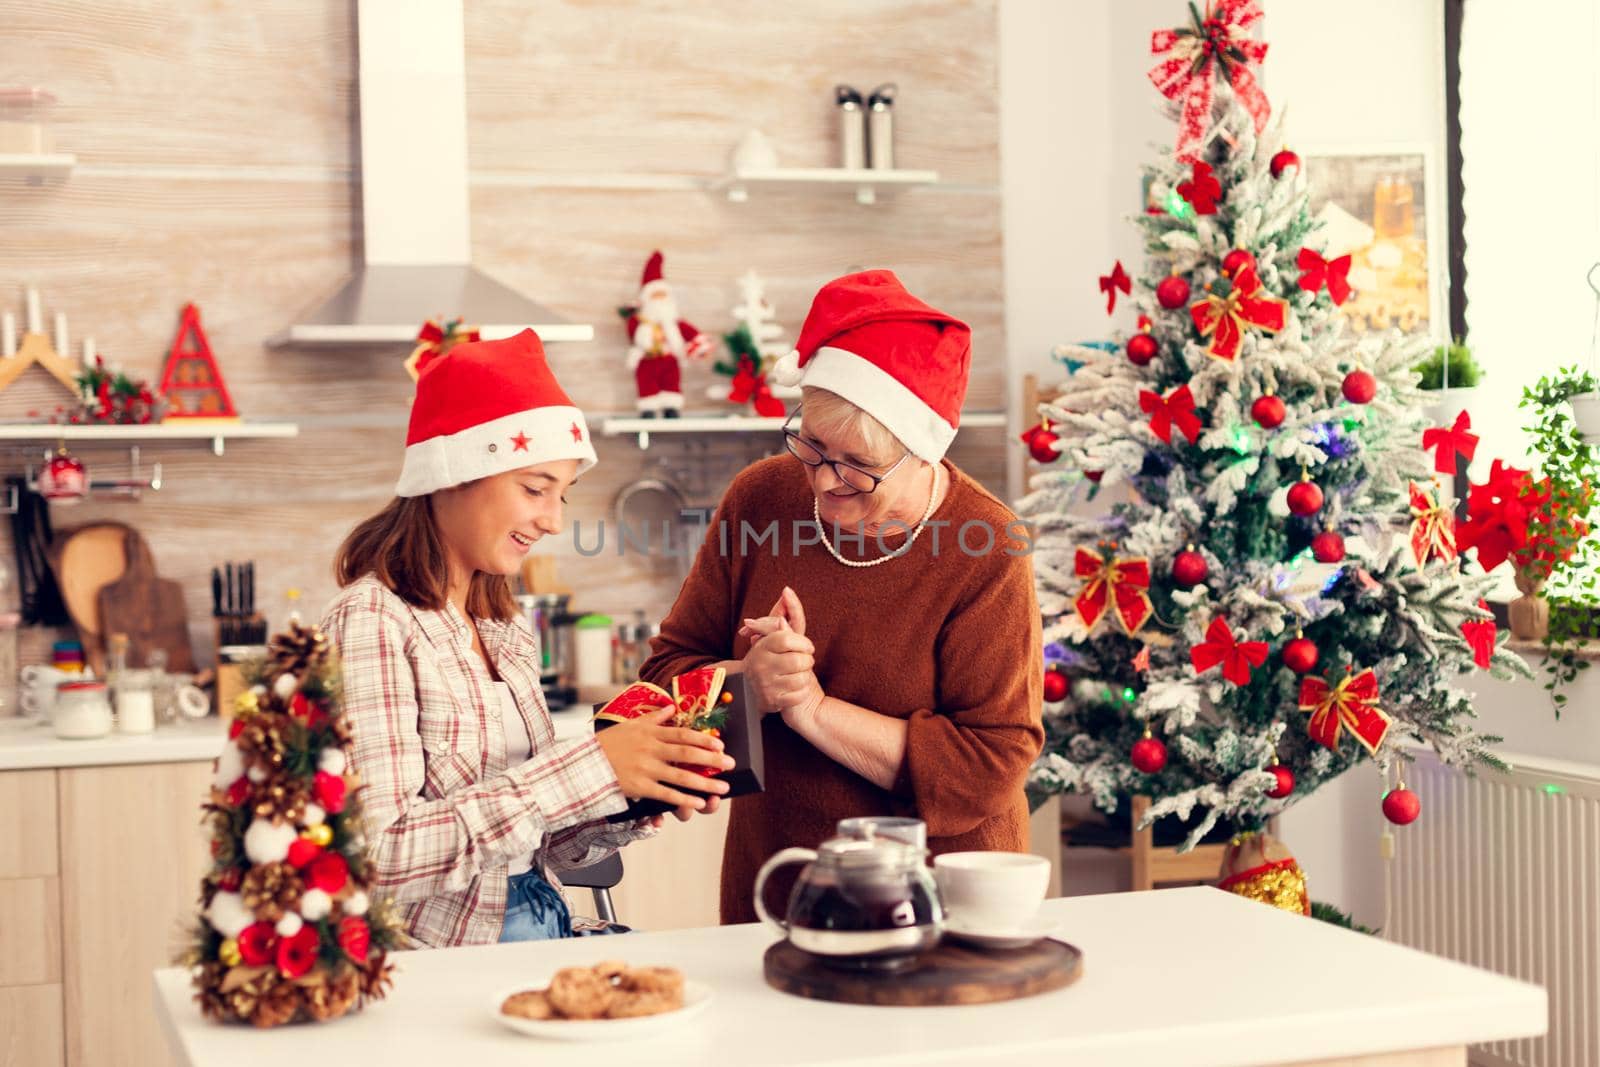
890, 627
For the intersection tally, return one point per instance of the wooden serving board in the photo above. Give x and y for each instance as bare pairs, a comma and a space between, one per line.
951, 973
86, 560
147, 608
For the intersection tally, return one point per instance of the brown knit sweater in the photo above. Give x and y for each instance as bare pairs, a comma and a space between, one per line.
947, 640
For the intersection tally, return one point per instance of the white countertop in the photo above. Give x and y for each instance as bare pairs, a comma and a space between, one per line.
1172, 978
27, 745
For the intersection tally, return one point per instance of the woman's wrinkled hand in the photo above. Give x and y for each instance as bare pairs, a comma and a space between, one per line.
642, 753
780, 665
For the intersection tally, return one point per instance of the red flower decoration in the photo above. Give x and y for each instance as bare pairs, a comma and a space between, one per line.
329, 790
355, 938
256, 943
235, 728
1203, 190
311, 712
1458, 440
302, 852
1110, 283
297, 954
1480, 634
1236, 657
239, 791
328, 872
1315, 272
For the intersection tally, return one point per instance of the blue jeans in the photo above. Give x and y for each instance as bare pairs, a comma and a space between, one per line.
535, 911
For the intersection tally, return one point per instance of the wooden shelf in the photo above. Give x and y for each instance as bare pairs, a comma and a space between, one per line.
866, 183
215, 432
620, 425
36, 167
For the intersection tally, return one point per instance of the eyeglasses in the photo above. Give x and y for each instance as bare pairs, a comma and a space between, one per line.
862, 481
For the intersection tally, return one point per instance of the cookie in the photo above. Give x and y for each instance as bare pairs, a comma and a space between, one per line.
635, 1005
530, 1004
610, 969
663, 980
579, 993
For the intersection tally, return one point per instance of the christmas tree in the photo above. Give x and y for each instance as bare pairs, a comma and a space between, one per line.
1280, 597
754, 345
287, 928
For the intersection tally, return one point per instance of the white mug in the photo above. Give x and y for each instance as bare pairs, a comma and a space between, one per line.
991, 892
39, 682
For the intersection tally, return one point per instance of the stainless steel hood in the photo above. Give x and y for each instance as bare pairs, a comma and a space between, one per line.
415, 213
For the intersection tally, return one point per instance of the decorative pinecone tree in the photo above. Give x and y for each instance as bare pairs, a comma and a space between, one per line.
1284, 575
754, 345
287, 929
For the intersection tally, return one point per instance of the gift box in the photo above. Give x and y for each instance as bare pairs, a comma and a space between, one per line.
710, 699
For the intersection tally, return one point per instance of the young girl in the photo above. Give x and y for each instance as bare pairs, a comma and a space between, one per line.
469, 801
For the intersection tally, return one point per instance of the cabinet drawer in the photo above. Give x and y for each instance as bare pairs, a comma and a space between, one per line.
31, 1027
30, 930
28, 824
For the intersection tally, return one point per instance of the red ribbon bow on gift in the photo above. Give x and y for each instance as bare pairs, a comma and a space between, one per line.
749, 386
1433, 527
1315, 272
1480, 634
1122, 581
1110, 283
1236, 657
1174, 409
1203, 190
436, 339
1224, 318
1458, 440
1219, 43
1353, 703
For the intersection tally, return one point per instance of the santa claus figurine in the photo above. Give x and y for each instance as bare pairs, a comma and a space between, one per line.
658, 339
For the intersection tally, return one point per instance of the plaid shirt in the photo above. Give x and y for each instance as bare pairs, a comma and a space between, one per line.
443, 813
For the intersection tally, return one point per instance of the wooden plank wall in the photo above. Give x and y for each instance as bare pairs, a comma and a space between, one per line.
217, 150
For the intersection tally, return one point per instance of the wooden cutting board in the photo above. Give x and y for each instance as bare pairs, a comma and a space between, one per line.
950, 973
85, 560
148, 608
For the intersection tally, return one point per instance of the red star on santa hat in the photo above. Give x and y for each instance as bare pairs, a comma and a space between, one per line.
519, 443
577, 434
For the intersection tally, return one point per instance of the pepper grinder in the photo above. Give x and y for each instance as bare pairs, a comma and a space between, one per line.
852, 128
880, 127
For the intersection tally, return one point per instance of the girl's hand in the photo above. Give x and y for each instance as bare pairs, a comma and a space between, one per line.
642, 753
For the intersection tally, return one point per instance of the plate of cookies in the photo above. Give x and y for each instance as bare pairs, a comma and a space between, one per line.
609, 1001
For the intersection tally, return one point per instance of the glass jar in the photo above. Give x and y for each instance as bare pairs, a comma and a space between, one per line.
82, 711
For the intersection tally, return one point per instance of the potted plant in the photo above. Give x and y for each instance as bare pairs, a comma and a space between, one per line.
1450, 376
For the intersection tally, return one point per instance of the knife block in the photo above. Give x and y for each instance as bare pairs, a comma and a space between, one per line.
231, 663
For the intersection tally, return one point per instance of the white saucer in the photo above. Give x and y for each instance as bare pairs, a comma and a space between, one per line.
696, 998
1020, 936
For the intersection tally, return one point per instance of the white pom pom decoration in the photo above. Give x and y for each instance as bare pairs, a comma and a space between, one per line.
331, 761
787, 370
259, 690
268, 842
355, 904
230, 765
228, 915
314, 816
285, 686
289, 925
315, 904
256, 775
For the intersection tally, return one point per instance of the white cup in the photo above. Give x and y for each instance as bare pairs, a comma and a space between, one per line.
39, 682
991, 892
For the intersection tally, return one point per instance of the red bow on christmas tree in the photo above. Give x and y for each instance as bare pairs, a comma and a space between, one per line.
1481, 635
1120, 581
1218, 44
1236, 657
1458, 440
1202, 190
748, 386
1225, 318
1433, 527
1110, 283
435, 339
1500, 513
1174, 409
1315, 272
1353, 703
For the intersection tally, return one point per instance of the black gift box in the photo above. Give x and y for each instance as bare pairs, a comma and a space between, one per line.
741, 739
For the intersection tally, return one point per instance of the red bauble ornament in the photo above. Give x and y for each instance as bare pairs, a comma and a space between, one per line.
1149, 755
1401, 806
301, 852
1268, 411
1189, 568
1142, 348
1301, 655
1236, 261
1055, 686
1328, 547
64, 480
1305, 498
1359, 387
328, 872
1172, 292
296, 955
257, 943
1283, 161
1285, 784
355, 938
1041, 446
329, 791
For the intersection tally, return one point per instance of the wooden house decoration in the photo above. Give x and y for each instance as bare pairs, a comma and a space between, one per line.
36, 348
191, 382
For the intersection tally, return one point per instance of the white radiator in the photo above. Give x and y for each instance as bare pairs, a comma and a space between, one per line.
1503, 872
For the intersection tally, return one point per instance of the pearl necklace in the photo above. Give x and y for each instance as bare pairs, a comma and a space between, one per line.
933, 496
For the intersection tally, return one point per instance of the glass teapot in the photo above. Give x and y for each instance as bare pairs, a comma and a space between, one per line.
866, 901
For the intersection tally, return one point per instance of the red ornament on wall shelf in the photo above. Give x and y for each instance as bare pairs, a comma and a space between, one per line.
191, 382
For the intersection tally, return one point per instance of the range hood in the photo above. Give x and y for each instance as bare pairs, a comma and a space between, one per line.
415, 209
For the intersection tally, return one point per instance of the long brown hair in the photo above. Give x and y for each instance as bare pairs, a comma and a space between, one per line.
400, 546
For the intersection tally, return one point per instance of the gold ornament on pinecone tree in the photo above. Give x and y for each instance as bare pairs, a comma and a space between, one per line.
287, 929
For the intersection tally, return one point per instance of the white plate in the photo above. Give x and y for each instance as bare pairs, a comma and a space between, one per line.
1020, 937
696, 996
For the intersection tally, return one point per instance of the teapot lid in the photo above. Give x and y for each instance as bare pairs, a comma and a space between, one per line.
862, 853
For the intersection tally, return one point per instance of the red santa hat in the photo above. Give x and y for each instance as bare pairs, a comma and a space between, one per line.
652, 272
487, 407
888, 353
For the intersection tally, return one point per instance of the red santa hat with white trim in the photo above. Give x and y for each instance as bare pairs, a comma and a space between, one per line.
487, 407
903, 362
